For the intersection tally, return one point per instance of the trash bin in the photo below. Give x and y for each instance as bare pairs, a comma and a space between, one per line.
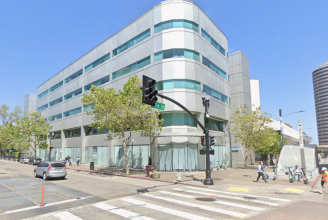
149, 169
92, 165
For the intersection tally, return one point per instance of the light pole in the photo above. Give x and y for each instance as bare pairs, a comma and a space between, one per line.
206, 103
50, 147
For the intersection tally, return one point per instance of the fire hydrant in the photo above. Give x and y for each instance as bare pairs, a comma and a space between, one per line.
179, 177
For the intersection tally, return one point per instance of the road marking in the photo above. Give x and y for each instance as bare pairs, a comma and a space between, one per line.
66, 216
219, 202
238, 189
165, 210
294, 190
121, 212
231, 193
208, 208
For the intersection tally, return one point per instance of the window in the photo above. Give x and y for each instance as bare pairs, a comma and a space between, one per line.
73, 133
57, 135
97, 62
177, 119
72, 112
215, 94
215, 125
176, 24
56, 101
97, 83
94, 131
131, 42
215, 44
215, 68
43, 94
74, 75
45, 119
43, 107
178, 84
176, 53
88, 107
128, 69
55, 117
72, 94
56, 86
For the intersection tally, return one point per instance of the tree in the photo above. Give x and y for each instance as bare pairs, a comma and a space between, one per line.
121, 112
306, 139
33, 128
251, 128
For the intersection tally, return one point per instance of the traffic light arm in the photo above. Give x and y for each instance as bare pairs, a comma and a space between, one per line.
184, 108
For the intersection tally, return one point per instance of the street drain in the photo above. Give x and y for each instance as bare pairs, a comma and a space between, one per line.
248, 197
206, 199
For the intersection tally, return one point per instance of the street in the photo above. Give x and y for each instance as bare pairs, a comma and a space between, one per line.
91, 196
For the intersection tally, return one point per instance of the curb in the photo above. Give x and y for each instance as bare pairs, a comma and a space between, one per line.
315, 181
136, 177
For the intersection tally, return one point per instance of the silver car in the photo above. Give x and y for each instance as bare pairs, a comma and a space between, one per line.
48, 170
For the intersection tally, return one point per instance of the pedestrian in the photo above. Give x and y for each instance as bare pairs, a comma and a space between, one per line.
324, 180
78, 161
149, 161
70, 162
298, 172
260, 172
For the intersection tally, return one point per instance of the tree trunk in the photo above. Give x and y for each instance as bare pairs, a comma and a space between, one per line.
245, 162
125, 154
277, 158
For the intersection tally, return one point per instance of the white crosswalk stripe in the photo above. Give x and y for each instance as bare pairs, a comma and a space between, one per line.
165, 210
67, 216
121, 212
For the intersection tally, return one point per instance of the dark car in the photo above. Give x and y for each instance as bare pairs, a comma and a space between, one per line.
34, 160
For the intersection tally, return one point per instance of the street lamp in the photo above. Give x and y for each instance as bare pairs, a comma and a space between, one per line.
50, 148
280, 114
206, 103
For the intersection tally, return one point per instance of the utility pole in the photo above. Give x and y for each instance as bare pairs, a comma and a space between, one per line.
300, 132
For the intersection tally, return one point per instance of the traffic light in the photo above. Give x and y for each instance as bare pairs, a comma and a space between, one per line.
212, 140
148, 91
202, 139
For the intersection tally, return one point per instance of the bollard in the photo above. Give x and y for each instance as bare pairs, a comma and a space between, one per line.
42, 194
11, 160
184, 169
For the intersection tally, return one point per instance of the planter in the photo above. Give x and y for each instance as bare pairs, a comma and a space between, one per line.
155, 175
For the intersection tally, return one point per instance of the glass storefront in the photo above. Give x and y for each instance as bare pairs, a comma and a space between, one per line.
137, 156
178, 157
220, 156
44, 154
97, 154
73, 152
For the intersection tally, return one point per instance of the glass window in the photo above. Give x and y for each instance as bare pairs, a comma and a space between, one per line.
97, 62
93, 131
73, 94
215, 44
178, 84
176, 53
74, 75
215, 125
56, 101
97, 83
73, 133
56, 86
179, 23
72, 112
43, 94
57, 135
131, 68
215, 68
42, 107
55, 117
215, 94
88, 107
132, 42
177, 119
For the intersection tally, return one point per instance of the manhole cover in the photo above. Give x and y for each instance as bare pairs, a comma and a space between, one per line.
206, 199
248, 197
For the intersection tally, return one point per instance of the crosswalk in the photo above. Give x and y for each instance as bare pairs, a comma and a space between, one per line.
185, 202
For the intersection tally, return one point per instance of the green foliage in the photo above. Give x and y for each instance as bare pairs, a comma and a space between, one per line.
121, 112
273, 149
251, 128
31, 129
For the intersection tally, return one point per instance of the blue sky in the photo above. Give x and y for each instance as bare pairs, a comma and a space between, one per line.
284, 41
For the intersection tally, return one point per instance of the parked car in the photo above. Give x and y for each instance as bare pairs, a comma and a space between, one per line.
25, 160
48, 170
34, 160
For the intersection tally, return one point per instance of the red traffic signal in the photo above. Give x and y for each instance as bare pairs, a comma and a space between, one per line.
202, 139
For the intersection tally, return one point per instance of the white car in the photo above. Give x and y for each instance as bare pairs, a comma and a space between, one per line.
25, 160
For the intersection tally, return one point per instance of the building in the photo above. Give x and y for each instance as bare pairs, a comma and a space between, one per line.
320, 86
175, 43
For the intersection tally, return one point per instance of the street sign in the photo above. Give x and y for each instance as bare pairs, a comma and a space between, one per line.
159, 106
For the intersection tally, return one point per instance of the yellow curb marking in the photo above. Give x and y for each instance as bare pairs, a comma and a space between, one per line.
238, 189
294, 190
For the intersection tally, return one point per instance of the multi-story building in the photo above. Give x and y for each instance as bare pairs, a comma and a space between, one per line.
320, 86
175, 43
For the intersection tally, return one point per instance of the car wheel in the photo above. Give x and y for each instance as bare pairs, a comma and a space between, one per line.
44, 177
35, 176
